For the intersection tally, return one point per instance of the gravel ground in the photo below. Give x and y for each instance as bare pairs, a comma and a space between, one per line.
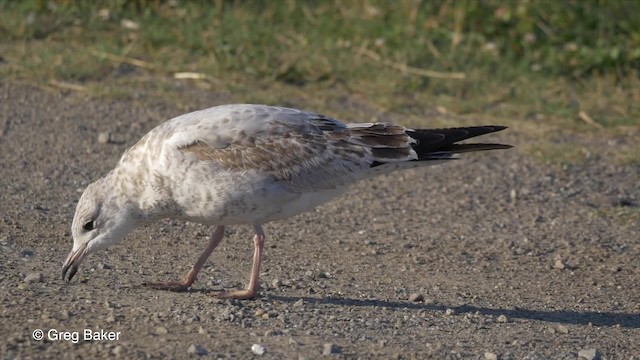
492, 257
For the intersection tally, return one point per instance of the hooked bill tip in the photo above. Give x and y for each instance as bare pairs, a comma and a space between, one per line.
65, 272
68, 272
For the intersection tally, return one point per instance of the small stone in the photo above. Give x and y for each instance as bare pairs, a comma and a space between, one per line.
23, 286
103, 266
563, 329
330, 349
299, 303
276, 283
104, 137
589, 354
429, 301
26, 253
118, 350
258, 349
416, 297
197, 350
490, 356
559, 264
64, 314
450, 312
513, 195
202, 331
111, 318
503, 319
161, 330
259, 312
34, 277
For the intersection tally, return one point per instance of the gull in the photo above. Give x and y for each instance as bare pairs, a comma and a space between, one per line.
247, 164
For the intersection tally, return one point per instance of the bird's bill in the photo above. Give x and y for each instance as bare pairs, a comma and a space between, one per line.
73, 261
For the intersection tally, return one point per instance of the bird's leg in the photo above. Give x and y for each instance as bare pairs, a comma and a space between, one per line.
190, 277
252, 289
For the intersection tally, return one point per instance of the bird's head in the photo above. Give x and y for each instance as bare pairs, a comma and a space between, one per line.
101, 220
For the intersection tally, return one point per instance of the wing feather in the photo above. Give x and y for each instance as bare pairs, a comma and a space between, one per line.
303, 160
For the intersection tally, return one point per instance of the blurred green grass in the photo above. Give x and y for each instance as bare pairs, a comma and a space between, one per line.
541, 62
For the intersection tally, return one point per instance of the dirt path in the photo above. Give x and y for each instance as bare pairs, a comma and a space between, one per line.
542, 275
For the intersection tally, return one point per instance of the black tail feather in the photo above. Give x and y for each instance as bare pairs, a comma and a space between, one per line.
441, 144
438, 143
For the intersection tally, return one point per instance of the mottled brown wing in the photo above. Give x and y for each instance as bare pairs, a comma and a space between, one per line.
304, 161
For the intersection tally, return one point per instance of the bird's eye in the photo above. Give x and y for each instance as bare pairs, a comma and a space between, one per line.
89, 226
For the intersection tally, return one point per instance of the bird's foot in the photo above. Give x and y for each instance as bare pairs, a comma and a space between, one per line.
177, 286
238, 294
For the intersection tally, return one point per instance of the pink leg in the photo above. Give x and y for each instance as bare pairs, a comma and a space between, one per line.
188, 279
251, 290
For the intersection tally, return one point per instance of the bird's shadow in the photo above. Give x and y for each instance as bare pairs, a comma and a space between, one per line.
595, 318
555, 316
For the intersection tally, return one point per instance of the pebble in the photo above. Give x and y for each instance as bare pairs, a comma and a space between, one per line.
589, 354
161, 330
299, 303
330, 349
416, 297
104, 137
490, 356
259, 312
450, 312
197, 350
26, 253
202, 331
258, 349
503, 319
34, 277
563, 329
118, 350
276, 283
65, 314
559, 264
